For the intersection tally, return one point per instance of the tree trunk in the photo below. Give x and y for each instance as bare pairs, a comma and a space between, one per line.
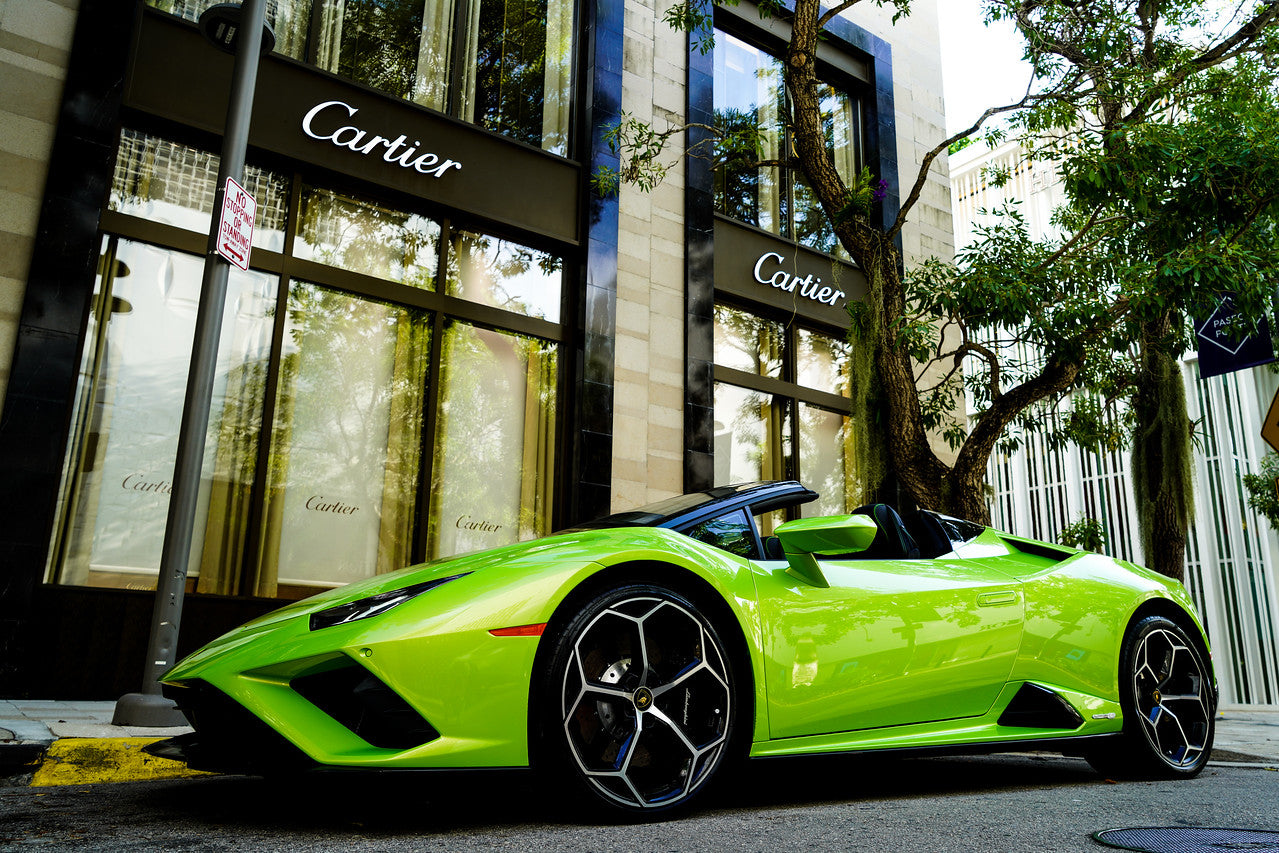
1162, 475
886, 409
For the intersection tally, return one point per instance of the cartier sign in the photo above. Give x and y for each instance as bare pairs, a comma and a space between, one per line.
768, 270
333, 122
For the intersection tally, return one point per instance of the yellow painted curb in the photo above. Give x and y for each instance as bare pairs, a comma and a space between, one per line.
81, 761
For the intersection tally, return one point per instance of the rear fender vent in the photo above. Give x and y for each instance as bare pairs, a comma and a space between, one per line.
1056, 553
1036, 707
363, 703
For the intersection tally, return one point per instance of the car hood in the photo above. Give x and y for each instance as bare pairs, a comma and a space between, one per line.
560, 549
566, 553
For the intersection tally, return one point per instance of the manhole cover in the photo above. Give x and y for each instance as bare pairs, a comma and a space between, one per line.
1185, 839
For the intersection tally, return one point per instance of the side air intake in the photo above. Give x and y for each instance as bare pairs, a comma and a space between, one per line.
1036, 707
363, 703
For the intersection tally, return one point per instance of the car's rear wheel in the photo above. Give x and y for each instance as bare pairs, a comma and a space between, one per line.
639, 700
1166, 693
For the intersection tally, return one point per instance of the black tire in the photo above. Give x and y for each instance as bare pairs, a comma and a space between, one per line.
639, 702
1168, 700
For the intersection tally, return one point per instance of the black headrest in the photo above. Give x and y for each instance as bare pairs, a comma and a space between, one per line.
928, 533
892, 540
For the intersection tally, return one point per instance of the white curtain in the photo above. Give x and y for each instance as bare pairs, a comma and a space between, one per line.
434, 59
847, 136
469, 66
770, 94
330, 47
559, 67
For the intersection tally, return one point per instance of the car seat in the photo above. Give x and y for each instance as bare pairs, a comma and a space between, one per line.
928, 533
892, 540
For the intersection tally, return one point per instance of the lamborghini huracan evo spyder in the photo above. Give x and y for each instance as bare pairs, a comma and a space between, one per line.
637, 655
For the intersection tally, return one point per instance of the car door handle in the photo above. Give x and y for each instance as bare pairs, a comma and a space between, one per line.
997, 599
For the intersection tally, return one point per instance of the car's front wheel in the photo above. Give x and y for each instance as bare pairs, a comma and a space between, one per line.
639, 699
1168, 701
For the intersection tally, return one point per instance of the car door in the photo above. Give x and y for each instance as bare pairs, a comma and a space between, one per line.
890, 642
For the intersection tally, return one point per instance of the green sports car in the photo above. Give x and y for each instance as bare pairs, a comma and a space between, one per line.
638, 655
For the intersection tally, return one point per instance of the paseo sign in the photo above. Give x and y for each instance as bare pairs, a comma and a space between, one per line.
769, 270
333, 122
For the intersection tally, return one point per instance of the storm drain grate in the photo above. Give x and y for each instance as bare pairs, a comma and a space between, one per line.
1185, 839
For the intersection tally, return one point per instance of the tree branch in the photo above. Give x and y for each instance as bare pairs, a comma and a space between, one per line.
1238, 42
926, 164
842, 7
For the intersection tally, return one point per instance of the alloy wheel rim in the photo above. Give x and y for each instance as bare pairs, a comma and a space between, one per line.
646, 702
1171, 696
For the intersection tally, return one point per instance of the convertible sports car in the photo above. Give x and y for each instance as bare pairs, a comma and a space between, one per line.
637, 655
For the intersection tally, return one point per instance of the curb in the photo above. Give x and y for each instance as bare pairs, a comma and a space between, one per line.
85, 761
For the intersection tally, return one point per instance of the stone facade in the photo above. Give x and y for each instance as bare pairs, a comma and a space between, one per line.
648, 397
35, 38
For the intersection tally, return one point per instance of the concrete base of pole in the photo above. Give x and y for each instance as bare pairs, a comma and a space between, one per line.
147, 709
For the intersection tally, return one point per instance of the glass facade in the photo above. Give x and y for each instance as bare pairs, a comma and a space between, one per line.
779, 410
505, 65
762, 187
364, 388
118, 478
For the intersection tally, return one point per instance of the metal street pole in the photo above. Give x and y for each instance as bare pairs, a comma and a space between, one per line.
150, 708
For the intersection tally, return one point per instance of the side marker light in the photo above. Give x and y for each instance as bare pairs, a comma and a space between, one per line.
519, 631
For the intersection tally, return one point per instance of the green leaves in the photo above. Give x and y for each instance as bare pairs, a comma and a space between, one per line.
1263, 488
1086, 533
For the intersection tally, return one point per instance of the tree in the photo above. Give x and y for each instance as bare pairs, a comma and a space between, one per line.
1171, 178
1164, 215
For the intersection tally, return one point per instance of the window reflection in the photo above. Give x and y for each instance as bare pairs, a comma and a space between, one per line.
373, 42
346, 443
505, 65
172, 184
826, 460
494, 473
366, 237
341, 491
823, 362
753, 431
752, 436
505, 275
750, 93
731, 533
119, 467
744, 341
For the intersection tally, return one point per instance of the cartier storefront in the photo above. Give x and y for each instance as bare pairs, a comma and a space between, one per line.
421, 359
400, 370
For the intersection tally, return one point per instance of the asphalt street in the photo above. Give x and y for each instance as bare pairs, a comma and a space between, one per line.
998, 803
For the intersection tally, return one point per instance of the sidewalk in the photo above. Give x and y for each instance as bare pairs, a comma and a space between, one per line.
74, 743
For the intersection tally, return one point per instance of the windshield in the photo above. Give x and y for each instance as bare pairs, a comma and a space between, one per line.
650, 515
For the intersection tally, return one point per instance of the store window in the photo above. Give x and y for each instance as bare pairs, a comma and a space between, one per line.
129, 403
364, 388
781, 408
505, 65
494, 441
750, 93
346, 442
361, 236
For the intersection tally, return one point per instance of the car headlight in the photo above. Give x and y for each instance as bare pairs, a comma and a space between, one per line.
374, 605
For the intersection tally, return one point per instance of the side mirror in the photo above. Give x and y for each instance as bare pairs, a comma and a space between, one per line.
827, 535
